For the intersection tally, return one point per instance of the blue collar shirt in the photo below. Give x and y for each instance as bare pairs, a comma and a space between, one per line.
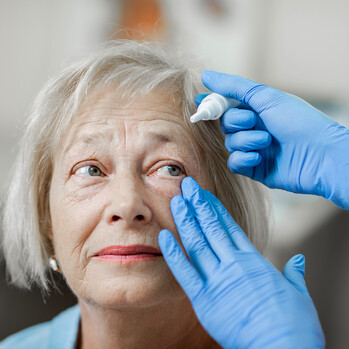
59, 333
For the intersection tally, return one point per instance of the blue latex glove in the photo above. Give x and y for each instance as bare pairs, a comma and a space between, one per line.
238, 296
282, 141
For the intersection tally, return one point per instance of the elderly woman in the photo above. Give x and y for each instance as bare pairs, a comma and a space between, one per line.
116, 189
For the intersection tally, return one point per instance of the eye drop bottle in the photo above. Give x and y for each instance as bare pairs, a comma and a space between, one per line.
213, 107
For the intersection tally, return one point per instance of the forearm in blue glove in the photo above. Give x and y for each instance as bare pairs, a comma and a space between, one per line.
238, 296
282, 141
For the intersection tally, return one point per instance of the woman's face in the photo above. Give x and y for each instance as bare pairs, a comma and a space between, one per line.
114, 176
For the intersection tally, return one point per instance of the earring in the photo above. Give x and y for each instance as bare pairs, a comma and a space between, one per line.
54, 264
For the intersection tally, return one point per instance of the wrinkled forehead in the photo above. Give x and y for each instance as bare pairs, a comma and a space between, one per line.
108, 114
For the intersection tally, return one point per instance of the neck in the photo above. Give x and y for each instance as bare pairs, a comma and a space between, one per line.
160, 326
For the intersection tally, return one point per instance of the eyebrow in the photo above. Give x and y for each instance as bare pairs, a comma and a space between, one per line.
161, 138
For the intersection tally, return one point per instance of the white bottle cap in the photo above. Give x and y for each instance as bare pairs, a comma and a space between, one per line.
212, 107
202, 114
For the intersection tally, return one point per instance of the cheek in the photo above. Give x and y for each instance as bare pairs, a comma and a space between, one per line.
72, 223
164, 191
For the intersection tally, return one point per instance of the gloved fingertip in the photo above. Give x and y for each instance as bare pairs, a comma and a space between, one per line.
164, 239
299, 263
251, 159
239, 160
296, 263
243, 170
209, 77
189, 185
300, 257
177, 205
222, 124
176, 199
294, 273
269, 139
255, 158
207, 74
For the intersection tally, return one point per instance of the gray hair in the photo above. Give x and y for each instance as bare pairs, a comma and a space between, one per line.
135, 68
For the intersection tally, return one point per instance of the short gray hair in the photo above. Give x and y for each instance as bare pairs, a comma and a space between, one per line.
135, 68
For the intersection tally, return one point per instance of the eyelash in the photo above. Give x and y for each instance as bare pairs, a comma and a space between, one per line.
74, 170
83, 164
171, 164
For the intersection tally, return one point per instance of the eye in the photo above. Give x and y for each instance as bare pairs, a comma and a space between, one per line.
89, 171
172, 170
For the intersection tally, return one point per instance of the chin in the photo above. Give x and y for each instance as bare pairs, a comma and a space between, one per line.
134, 290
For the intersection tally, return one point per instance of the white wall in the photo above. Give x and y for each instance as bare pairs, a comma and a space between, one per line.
37, 38
308, 48
229, 42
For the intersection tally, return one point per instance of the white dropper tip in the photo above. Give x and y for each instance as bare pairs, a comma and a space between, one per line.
199, 115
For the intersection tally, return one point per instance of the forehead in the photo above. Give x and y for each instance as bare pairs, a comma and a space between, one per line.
106, 115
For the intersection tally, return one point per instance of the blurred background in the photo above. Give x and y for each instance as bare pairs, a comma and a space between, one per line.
300, 46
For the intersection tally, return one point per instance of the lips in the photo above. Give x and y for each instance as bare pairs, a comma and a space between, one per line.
131, 252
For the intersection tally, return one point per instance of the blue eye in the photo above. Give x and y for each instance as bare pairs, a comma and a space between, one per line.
173, 170
89, 171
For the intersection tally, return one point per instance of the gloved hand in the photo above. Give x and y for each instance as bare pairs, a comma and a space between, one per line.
282, 141
239, 297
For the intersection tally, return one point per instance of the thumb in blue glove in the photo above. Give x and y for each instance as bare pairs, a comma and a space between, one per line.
238, 296
294, 273
282, 141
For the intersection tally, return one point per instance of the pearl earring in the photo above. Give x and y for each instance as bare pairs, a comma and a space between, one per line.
54, 264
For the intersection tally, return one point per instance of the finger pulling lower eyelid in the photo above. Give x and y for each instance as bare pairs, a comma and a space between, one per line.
192, 191
194, 195
189, 188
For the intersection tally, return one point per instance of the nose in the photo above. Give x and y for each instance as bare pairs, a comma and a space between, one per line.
128, 203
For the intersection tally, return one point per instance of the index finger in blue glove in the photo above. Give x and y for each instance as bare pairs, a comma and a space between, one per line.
208, 219
192, 237
260, 97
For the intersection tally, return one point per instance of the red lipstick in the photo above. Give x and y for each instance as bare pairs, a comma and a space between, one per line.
129, 253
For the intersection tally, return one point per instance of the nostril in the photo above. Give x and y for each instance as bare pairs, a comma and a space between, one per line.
115, 218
